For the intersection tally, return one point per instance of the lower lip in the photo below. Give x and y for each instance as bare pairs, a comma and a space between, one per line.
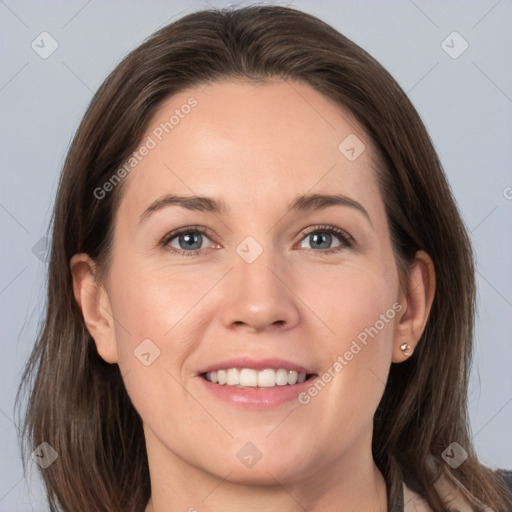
261, 398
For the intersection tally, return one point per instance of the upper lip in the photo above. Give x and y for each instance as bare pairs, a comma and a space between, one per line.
255, 364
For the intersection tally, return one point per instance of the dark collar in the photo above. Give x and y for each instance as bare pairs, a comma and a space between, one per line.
398, 504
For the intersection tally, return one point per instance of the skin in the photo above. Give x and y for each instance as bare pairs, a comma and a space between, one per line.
256, 146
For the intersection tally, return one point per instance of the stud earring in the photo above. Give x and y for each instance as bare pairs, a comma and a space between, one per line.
406, 349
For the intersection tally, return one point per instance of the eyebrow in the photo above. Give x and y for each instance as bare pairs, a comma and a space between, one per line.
305, 202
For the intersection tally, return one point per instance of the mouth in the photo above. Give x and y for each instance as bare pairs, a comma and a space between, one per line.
257, 384
256, 379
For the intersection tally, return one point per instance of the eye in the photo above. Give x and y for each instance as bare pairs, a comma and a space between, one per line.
186, 241
191, 240
322, 237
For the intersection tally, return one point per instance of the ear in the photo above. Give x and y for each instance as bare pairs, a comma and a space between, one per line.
93, 301
417, 301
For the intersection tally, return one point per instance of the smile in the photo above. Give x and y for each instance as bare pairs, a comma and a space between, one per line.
249, 377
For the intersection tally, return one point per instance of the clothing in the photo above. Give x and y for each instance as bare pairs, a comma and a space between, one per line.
410, 501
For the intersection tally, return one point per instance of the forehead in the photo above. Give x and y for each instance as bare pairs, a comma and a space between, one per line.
250, 142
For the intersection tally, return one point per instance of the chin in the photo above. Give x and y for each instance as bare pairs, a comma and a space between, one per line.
281, 466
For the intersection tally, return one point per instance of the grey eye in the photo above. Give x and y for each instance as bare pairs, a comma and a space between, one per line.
320, 240
188, 241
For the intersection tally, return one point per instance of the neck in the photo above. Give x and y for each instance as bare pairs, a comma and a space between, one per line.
349, 482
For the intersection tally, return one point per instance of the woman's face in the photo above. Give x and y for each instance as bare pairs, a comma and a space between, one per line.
283, 263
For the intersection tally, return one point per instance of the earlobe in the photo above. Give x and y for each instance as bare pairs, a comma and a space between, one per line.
94, 302
417, 300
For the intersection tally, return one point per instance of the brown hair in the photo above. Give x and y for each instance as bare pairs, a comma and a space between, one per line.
78, 403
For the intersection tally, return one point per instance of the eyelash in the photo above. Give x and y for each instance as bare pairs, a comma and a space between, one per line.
346, 240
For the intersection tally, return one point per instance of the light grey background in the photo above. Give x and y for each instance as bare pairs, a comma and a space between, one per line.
465, 102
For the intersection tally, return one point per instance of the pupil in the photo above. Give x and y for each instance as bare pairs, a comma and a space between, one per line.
319, 239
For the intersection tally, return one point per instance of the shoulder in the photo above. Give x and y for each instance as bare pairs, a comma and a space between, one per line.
457, 500
506, 474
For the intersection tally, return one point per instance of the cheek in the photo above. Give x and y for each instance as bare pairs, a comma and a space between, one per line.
349, 300
158, 311
154, 300
358, 308
153, 340
365, 316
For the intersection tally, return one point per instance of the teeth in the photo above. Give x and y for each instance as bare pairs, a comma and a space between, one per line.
247, 377
281, 377
222, 377
233, 377
293, 377
266, 379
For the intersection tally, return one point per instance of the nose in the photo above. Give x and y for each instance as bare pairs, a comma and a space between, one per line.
259, 295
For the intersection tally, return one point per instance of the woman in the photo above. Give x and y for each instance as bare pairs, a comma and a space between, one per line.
261, 291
